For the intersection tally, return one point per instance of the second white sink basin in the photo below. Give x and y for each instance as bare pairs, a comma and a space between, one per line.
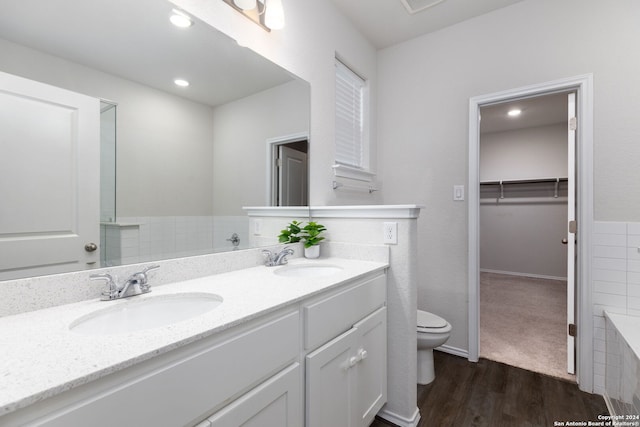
138, 314
308, 270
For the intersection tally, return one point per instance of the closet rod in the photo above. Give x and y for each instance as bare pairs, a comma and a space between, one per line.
522, 181
501, 183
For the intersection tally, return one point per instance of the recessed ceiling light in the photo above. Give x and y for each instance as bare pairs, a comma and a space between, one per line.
180, 19
181, 82
514, 112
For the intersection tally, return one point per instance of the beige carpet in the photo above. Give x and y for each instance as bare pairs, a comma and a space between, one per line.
522, 323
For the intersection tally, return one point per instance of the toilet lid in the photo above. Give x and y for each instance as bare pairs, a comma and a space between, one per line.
430, 320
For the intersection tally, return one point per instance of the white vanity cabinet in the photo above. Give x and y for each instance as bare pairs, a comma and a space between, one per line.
346, 378
317, 361
182, 387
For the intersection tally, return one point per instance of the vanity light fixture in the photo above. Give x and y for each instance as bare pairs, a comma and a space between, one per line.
515, 112
274, 14
269, 14
181, 82
246, 4
180, 19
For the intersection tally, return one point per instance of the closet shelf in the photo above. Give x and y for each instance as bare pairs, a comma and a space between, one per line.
503, 182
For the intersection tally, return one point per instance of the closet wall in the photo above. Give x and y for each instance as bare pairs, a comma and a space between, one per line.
522, 232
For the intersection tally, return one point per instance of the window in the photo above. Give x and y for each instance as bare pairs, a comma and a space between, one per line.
351, 126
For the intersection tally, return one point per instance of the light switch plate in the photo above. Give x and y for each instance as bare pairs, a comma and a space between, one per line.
458, 192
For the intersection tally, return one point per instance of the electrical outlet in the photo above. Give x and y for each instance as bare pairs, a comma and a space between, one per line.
390, 233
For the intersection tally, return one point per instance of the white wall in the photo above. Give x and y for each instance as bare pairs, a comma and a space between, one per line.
314, 32
424, 91
522, 233
537, 152
240, 131
159, 136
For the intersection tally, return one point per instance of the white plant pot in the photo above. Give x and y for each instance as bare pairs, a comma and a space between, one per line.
312, 251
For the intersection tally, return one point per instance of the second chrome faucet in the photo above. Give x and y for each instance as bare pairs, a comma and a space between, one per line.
271, 259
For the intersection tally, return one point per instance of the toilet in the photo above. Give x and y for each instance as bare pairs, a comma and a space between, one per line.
433, 331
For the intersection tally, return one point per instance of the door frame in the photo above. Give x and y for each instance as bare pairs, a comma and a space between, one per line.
583, 85
272, 154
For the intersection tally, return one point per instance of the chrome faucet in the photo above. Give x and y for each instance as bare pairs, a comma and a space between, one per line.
139, 281
271, 259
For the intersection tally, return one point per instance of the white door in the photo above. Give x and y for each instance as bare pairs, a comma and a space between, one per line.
571, 232
49, 178
292, 177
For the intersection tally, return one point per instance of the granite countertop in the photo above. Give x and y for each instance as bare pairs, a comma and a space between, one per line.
41, 357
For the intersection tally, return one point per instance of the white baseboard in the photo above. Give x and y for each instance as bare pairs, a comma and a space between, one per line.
453, 350
399, 420
513, 273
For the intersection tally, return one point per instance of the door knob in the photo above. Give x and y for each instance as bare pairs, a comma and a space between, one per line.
564, 241
90, 247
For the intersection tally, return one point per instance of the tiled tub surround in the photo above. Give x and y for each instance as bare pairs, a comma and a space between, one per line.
136, 239
622, 377
43, 358
615, 283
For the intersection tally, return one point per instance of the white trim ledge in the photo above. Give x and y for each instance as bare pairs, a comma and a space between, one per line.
344, 171
366, 211
363, 211
278, 211
398, 420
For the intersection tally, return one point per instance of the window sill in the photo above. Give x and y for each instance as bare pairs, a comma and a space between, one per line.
349, 172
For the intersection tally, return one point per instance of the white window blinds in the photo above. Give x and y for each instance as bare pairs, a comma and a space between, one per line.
349, 117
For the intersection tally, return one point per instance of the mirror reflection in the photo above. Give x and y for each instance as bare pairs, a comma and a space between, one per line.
176, 164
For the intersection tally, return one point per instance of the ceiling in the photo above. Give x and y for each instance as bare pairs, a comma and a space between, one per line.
387, 22
537, 111
135, 40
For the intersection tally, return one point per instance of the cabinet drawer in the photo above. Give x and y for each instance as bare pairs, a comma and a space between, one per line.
331, 316
190, 387
276, 402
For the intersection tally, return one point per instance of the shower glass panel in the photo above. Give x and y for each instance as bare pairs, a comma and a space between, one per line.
107, 162
107, 173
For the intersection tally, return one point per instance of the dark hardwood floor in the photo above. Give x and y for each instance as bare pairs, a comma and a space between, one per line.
493, 394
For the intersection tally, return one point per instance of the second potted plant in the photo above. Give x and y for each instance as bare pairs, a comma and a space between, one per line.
310, 235
312, 238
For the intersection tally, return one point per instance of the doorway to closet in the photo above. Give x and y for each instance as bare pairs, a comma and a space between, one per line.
526, 200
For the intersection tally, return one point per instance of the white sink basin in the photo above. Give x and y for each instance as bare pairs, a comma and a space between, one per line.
145, 313
308, 270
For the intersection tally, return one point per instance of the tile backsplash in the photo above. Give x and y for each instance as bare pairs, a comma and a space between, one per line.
138, 239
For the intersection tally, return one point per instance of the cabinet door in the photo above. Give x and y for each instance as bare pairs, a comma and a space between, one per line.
329, 382
371, 371
276, 402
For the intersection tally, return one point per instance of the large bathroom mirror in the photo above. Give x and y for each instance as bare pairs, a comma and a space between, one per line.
177, 163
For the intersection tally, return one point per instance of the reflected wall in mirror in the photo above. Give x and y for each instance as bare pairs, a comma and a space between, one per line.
177, 164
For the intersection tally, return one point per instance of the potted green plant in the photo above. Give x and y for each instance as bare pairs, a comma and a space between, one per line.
290, 233
312, 238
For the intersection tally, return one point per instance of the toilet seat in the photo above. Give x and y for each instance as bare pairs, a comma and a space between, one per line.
429, 321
